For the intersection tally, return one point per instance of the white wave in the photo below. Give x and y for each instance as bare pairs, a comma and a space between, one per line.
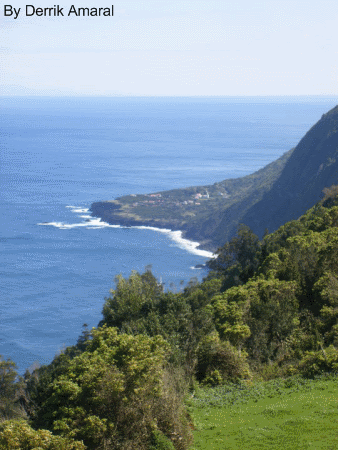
77, 209
176, 236
94, 223
63, 226
161, 230
80, 210
53, 224
190, 246
83, 210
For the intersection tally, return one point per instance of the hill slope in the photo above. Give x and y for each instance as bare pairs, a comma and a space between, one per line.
196, 210
312, 166
281, 191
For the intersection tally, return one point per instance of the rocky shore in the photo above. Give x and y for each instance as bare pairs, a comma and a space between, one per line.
112, 212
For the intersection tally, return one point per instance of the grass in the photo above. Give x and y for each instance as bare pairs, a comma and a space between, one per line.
281, 414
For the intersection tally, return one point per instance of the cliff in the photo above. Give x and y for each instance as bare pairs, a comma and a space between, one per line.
279, 192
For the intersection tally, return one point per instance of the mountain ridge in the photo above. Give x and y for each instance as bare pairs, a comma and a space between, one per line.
312, 166
279, 192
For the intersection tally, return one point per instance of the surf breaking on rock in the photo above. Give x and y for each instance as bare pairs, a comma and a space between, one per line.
90, 222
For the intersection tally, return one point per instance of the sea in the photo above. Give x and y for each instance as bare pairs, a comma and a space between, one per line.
58, 155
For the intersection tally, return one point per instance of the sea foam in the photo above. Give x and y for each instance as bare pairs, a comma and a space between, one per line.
95, 223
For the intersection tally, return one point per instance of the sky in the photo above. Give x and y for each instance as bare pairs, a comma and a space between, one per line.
172, 48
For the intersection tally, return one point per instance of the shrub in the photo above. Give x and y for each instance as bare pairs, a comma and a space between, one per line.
219, 362
19, 435
316, 363
160, 442
115, 394
11, 392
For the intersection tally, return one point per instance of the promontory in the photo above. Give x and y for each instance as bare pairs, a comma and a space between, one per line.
279, 192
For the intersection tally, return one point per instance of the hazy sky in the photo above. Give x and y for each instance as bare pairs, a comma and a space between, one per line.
180, 48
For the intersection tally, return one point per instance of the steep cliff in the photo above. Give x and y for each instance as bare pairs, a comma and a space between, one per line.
279, 192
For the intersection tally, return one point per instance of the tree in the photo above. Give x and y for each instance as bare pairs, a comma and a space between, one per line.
229, 317
11, 390
219, 361
18, 435
112, 394
239, 258
130, 296
272, 316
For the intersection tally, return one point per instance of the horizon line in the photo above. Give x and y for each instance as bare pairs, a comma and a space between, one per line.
168, 96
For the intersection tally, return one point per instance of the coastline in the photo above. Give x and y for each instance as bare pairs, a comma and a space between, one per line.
207, 214
93, 221
175, 235
109, 213
178, 237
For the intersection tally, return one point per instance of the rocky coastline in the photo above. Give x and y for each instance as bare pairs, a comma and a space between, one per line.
111, 212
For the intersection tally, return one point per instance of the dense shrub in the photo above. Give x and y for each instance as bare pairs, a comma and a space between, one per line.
18, 435
160, 442
219, 361
273, 303
12, 393
319, 362
115, 394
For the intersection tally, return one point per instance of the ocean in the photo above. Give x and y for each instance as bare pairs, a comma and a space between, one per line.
58, 155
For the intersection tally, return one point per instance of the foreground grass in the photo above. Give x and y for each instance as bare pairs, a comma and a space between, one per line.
281, 414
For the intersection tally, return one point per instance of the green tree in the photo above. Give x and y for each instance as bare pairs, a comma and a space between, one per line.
218, 361
18, 435
239, 258
271, 317
130, 300
139, 306
112, 394
319, 362
11, 391
229, 316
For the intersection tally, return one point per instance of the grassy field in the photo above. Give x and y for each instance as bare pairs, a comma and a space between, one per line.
281, 414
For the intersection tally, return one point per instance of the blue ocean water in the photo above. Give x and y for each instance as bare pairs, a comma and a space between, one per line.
58, 155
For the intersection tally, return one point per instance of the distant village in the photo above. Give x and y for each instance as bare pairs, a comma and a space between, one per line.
159, 200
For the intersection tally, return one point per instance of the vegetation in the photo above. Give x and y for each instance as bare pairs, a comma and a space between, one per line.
279, 192
115, 394
18, 435
291, 414
199, 210
250, 336
12, 392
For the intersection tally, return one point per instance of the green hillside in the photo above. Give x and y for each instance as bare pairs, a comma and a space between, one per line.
225, 363
281, 191
268, 310
291, 414
312, 167
197, 210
